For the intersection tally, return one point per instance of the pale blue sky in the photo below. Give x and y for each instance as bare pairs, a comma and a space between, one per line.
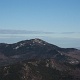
57, 16
45, 15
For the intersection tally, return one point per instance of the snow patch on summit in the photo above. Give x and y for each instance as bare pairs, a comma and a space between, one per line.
36, 40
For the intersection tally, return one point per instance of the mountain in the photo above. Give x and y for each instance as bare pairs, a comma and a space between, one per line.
37, 49
36, 59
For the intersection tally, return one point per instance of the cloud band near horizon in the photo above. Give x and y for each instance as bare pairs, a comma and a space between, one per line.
32, 32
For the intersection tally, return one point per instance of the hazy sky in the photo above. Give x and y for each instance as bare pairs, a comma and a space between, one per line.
61, 17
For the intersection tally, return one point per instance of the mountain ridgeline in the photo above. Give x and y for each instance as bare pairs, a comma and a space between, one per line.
36, 59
